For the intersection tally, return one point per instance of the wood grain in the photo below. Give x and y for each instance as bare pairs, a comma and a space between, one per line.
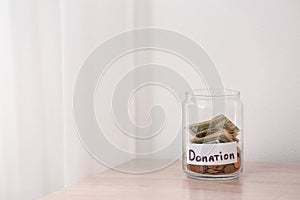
259, 181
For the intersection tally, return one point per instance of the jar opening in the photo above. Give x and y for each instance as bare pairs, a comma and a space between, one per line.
212, 93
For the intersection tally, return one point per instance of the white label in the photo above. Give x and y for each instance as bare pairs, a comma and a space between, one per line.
212, 154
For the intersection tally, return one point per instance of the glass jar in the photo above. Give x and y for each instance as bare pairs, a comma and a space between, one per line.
212, 134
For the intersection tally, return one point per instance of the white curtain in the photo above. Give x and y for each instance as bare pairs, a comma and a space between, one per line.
31, 117
86, 24
42, 44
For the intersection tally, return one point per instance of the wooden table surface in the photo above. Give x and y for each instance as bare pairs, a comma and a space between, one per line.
259, 181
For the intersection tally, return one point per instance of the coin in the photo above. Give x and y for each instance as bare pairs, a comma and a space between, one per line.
194, 168
212, 171
238, 163
229, 169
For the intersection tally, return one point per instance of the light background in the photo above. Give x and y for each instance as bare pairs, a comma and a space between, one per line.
255, 47
254, 44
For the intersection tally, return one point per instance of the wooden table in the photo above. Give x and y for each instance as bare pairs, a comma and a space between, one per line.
260, 181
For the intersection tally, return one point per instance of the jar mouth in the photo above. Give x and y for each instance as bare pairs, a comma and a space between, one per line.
212, 93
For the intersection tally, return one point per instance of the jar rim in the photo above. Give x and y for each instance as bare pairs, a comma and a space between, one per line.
212, 93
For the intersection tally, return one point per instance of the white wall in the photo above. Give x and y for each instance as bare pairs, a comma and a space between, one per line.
255, 46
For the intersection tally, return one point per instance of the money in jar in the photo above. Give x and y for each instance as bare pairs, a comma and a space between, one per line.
212, 134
